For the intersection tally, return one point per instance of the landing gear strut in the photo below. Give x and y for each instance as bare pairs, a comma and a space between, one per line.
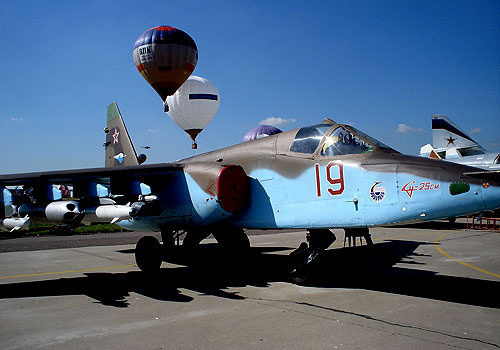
306, 254
232, 238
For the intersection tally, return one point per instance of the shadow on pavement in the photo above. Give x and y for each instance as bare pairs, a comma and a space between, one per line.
211, 271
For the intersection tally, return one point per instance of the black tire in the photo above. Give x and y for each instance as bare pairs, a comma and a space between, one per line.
298, 274
148, 254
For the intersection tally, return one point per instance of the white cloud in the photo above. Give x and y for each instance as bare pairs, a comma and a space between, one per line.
405, 129
475, 131
275, 121
17, 119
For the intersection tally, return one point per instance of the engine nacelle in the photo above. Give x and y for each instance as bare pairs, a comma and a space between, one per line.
217, 191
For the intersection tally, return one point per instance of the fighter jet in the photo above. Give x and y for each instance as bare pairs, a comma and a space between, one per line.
450, 143
314, 178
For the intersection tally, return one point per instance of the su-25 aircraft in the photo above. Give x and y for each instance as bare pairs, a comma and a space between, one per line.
314, 178
451, 143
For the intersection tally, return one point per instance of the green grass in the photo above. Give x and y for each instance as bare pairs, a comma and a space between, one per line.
49, 229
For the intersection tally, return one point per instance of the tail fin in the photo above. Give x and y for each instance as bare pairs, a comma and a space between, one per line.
445, 135
119, 148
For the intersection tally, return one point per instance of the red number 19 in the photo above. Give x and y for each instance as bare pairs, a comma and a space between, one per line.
333, 181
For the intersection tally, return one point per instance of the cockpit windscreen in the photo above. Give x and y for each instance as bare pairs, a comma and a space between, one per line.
342, 140
308, 138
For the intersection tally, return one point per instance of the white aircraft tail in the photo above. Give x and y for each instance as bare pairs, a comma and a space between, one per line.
446, 135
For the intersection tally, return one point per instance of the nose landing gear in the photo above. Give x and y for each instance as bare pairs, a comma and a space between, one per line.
307, 254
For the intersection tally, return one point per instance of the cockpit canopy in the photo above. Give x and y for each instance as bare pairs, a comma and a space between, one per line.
334, 140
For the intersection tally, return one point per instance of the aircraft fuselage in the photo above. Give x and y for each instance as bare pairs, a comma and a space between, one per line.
289, 190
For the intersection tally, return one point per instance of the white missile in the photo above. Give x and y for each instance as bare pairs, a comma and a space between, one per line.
109, 213
14, 224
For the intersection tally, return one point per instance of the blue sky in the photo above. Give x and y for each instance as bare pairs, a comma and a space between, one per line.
375, 64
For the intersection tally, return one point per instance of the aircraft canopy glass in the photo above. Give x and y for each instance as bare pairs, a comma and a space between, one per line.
308, 138
343, 140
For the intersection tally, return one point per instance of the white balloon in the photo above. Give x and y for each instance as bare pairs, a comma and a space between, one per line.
194, 105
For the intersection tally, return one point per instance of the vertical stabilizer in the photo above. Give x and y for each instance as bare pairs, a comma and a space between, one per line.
445, 134
119, 148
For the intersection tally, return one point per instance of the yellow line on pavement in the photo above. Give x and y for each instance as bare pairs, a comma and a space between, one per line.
438, 248
435, 242
68, 271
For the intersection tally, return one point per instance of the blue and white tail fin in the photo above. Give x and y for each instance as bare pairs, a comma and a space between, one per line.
445, 135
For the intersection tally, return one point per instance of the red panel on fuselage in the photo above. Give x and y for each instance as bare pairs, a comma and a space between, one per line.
232, 188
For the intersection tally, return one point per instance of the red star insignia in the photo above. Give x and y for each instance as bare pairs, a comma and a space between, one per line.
115, 136
450, 140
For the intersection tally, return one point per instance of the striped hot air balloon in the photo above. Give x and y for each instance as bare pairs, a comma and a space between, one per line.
165, 57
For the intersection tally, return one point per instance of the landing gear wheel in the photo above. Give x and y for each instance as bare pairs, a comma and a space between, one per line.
298, 274
148, 254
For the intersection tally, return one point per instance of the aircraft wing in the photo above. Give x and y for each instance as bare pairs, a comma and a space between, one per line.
80, 177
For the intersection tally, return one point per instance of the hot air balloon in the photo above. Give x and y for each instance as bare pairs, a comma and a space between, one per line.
260, 132
165, 57
194, 105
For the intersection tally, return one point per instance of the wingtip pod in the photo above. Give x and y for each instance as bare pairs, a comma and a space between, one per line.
165, 56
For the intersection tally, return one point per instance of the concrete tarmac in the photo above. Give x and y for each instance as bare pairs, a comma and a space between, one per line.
416, 288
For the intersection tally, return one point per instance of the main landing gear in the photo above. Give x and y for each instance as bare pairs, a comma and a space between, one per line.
149, 252
306, 254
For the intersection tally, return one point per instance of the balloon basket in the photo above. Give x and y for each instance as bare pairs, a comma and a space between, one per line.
194, 145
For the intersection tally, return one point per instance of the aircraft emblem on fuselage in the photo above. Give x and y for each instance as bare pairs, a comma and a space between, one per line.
411, 186
377, 193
